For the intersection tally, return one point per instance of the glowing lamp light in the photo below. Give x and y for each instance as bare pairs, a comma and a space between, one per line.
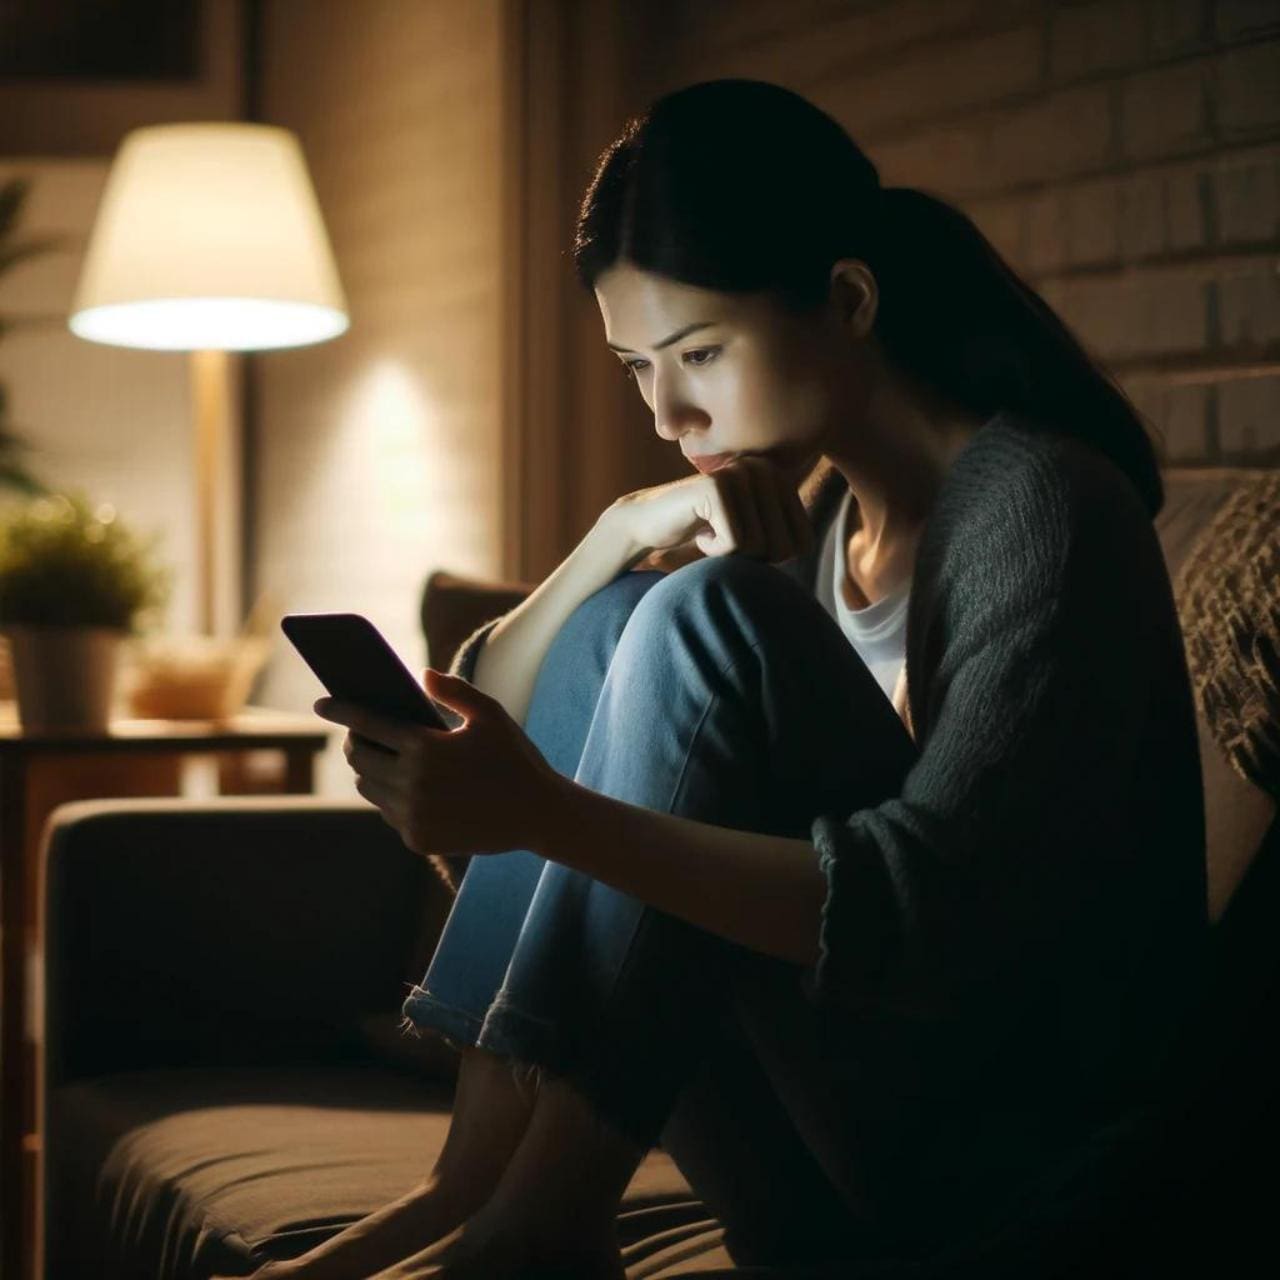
209, 239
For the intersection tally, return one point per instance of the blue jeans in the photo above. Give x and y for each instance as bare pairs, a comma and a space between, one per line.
725, 693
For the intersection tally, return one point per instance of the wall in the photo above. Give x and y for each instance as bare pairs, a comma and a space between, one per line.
58, 117
378, 457
1124, 155
576, 434
112, 420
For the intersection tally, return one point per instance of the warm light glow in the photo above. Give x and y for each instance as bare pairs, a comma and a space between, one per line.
209, 236
200, 324
397, 429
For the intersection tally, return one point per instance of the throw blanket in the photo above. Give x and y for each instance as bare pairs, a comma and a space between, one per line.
1228, 595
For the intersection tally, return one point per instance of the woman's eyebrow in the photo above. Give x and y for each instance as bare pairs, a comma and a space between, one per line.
675, 337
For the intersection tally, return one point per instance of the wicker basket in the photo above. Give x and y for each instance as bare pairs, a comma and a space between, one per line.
191, 677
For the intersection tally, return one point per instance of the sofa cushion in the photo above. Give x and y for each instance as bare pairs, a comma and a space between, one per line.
185, 1173
453, 606
1229, 587
1237, 813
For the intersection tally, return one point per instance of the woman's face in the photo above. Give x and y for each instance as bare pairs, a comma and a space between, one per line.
742, 376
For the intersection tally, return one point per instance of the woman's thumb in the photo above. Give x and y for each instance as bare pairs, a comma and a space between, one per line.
452, 690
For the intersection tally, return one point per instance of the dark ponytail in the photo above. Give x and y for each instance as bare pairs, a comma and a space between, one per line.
742, 186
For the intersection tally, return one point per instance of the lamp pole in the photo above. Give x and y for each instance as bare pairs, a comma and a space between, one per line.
217, 448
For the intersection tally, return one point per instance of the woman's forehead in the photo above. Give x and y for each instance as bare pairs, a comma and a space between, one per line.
641, 307
624, 286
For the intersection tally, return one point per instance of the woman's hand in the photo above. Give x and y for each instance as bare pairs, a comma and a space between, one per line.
480, 788
749, 506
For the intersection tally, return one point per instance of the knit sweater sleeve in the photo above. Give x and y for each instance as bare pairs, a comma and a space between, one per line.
1050, 629
468, 654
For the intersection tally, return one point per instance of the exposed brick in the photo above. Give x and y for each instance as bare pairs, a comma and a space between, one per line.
1185, 422
1045, 233
1163, 112
1249, 420
877, 28
1249, 308
1090, 38
1184, 210
1003, 223
1054, 292
1092, 216
1142, 216
1247, 89
944, 159
1175, 316
1179, 417
1177, 27
1064, 134
1160, 212
1153, 314
1236, 18
937, 80
1246, 198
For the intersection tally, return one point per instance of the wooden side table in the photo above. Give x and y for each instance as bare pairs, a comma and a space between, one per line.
38, 772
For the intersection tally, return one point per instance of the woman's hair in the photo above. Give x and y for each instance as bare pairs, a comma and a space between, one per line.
742, 186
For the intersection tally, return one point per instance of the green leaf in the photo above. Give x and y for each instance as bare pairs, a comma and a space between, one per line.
64, 562
11, 255
13, 195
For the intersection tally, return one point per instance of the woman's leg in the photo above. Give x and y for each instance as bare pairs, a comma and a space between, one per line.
733, 698
494, 1097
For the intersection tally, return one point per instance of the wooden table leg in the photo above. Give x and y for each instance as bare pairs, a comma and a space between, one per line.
299, 772
13, 1013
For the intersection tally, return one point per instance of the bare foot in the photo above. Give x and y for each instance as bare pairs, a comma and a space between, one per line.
396, 1231
478, 1251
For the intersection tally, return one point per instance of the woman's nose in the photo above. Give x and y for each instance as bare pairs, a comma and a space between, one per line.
672, 413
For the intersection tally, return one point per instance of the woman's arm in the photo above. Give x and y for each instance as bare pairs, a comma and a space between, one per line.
1005, 822
763, 892
514, 646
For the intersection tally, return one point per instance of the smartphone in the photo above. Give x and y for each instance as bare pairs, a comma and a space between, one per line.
355, 663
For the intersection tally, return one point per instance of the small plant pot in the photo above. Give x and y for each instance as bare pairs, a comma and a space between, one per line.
64, 676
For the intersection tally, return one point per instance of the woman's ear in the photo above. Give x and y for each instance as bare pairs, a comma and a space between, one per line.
855, 295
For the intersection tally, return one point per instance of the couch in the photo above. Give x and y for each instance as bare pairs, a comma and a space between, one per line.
224, 1081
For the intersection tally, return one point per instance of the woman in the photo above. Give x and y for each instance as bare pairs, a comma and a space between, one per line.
859, 862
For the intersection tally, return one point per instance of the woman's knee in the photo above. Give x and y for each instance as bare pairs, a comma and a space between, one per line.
593, 628
717, 594
574, 667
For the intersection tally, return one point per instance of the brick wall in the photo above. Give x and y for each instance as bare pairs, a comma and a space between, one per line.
1124, 155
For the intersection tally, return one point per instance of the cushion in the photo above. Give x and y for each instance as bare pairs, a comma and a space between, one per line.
1238, 813
184, 1173
1229, 589
453, 606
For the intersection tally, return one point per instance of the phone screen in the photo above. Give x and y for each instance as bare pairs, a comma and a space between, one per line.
355, 663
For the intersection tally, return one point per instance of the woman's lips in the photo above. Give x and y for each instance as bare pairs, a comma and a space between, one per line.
709, 461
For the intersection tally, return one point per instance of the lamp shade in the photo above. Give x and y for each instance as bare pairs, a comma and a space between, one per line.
209, 236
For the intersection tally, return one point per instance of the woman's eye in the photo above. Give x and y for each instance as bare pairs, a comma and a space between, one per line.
709, 352
634, 366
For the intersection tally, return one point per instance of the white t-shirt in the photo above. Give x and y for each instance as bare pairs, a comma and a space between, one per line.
878, 632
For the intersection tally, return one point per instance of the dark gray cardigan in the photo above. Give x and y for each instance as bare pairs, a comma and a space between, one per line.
1011, 944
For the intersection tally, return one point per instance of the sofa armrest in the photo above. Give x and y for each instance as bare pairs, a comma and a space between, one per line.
240, 930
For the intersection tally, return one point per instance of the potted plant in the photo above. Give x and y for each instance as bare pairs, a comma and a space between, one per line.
74, 583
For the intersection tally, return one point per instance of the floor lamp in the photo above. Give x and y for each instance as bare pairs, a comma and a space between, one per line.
209, 239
